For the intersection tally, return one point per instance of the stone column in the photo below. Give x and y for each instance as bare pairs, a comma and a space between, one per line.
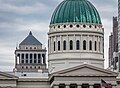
80, 42
37, 58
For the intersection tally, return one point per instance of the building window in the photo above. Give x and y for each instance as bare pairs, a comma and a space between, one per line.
30, 58
95, 45
61, 85
43, 55
22, 58
71, 45
77, 45
64, 45
54, 46
85, 85
35, 58
84, 45
26, 58
39, 57
97, 86
58, 45
73, 85
90, 45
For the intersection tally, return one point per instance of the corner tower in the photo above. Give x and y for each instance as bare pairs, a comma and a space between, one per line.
75, 36
30, 56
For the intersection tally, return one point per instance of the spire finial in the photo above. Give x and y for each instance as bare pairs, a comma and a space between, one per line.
30, 33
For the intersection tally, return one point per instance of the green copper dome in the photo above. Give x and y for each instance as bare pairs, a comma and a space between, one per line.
75, 11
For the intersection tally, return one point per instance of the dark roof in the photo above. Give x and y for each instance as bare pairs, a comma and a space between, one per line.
30, 40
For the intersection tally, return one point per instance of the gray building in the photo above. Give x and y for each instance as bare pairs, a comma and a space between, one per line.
113, 46
30, 55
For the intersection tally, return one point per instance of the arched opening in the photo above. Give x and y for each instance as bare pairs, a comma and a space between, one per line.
58, 45
95, 45
71, 45
54, 46
64, 45
90, 45
77, 45
84, 45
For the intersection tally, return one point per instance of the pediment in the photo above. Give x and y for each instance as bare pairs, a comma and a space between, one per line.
86, 70
4, 75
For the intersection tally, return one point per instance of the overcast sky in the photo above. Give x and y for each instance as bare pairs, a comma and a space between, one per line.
18, 17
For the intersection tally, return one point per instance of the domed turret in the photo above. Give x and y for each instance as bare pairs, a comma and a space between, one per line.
76, 36
75, 11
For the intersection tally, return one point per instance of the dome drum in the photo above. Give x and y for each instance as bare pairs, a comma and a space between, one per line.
76, 27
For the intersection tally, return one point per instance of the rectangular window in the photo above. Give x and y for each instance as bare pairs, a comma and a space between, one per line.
97, 86
85, 85
62, 86
73, 85
39, 57
30, 58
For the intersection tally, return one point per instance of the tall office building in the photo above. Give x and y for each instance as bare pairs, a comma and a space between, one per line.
113, 45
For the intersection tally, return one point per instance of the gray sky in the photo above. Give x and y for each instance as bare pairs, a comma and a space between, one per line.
18, 17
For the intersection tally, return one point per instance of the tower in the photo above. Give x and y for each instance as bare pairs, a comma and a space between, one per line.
75, 36
30, 56
113, 46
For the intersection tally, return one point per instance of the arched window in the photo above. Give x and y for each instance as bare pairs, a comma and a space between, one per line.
84, 45
95, 45
64, 45
77, 45
71, 45
90, 45
58, 45
54, 46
